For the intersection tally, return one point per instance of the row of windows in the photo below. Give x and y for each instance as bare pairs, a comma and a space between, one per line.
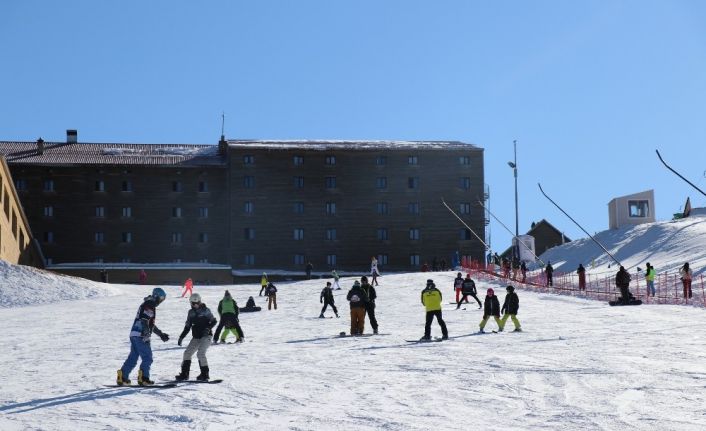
332, 259
382, 234
127, 238
380, 182
381, 208
379, 160
99, 186
99, 211
50, 261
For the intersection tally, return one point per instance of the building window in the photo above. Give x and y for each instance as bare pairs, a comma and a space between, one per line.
176, 237
331, 234
414, 233
413, 182
100, 186
127, 237
250, 259
203, 237
203, 186
331, 208
298, 160
203, 212
298, 182
299, 207
127, 212
330, 160
382, 259
382, 234
248, 181
465, 234
381, 208
248, 208
414, 260
203, 260
177, 260
248, 160
99, 237
127, 186
381, 182
299, 259
98, 260
176, 212
380, 160
412, 160
21, 184
638, 209
125, 260
298, 234
465, 183
465, 207
48, 185
464, 160
176, 186
331, 260
100, 211
49, 211
330, 182
249, 233
413, 207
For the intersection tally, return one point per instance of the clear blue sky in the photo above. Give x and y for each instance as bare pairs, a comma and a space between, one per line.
589, 89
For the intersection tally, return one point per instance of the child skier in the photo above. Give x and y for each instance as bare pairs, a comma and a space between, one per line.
357, 300
491, 307
431, 300
458, 283
140, 334
326, 298
200, 321
228, 313
468, 288
510, 307
271, 293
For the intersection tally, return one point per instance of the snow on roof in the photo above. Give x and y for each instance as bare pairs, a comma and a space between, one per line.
321, 145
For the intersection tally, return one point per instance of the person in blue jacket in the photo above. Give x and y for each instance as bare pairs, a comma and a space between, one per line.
140, 335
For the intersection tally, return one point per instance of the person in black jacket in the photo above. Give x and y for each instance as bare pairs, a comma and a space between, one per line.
357, 299
468, 288
510, 307
271, 293
491, 307
200, 321
370, 305
326, 298
622, 281
550, 274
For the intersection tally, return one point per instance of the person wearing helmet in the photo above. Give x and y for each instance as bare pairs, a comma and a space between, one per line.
510, 307
140, 335
200, 321
431, 299
491, 307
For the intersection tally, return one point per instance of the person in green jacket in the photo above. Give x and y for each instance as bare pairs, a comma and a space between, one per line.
431, 299
650, 277
228, 313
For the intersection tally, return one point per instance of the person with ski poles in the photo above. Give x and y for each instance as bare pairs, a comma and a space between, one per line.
200, 321
468, 289
431, 300
326, 298
140, 334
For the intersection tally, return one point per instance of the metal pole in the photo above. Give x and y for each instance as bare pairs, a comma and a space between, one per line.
517, 229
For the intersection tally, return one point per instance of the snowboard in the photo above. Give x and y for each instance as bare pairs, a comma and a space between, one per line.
632, 302
212, 382
249, 310
434, 340
155, 386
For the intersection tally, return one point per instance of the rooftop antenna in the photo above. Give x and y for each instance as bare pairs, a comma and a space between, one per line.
223, 126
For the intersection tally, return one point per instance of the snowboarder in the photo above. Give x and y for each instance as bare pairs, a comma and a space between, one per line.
188, 287
263, 283
550, 274
622, 281
250, 306
468, 289
271, 293
228, 317
140, 335
509, 309
458, 284
431, 300
309, 268
523, 270
143, 277
581, 271
370, 304
650, 278
200, 321
491, 307
326, 298
686, 274
335, 276
357, 299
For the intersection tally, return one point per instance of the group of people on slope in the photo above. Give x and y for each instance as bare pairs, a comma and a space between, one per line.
361, 298
270, 291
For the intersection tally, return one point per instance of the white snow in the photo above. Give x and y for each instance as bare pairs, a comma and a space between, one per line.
578, 365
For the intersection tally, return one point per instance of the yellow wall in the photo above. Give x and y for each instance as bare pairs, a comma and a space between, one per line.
15, 235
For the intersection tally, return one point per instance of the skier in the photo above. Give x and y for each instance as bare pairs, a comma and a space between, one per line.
143, 277
650, 278
271, 293
686, 274
468, 288
228, 318
431, 300
581, 271
458, 283
622, 281
188, 287
370, 304
510, 307
335, 276
200, 321
523, 270
491, 307
550, 274
263, 283
357, 299
140, 334
309, 268
326, 298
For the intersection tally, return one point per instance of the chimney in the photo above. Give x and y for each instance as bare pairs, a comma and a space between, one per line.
71, 136
223, 146
40, 146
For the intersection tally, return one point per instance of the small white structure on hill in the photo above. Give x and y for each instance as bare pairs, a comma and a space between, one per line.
632, 210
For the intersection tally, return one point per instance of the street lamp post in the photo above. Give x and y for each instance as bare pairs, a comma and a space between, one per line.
513, 165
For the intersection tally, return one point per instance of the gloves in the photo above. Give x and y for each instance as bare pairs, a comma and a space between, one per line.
164, 337
180, 340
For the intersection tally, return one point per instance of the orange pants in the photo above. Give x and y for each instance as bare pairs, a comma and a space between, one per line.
357, 320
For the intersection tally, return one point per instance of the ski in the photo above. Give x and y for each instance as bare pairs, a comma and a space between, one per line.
434, 340
621, 303
212, 382
155, 386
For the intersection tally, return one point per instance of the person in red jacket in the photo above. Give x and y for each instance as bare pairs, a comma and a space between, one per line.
188, 287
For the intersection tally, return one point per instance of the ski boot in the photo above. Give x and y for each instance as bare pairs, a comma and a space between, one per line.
481, 331
375, 331
517, 330
142, 380
203, 377
337, 316
185, 368
122, 380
